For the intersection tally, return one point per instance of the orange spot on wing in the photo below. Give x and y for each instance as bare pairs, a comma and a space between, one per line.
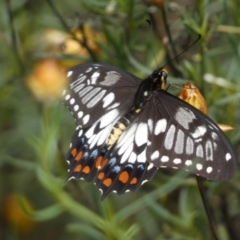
107, 182
86, 169
98, 162
101, 175
134, 181
74, 152
123, 177
104, 163
79, 156
78, 168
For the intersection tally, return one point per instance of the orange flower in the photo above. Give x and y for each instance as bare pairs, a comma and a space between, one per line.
58, 43
47, 81
190, 94
15, 216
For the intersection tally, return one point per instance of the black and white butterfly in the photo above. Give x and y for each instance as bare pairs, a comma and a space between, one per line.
127, 128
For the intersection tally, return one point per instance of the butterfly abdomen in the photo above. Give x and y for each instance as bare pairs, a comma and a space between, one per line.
121, 125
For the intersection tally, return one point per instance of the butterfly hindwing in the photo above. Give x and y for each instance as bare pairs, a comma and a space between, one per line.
171, 133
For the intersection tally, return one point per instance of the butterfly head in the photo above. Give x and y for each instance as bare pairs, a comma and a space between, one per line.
159, 78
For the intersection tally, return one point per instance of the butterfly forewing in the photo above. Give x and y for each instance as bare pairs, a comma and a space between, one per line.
120, 142
96, 90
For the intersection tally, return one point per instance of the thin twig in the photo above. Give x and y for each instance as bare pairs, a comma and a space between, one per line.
153, 18
68, 29
14, 37
166, 26
206, 207
227, 218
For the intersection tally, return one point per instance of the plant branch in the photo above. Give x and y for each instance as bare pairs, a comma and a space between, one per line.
83, 43
206, 207
14, 37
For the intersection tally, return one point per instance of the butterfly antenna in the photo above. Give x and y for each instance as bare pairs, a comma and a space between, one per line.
199, 36
150, 24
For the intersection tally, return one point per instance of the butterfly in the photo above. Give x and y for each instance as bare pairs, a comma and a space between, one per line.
127, 128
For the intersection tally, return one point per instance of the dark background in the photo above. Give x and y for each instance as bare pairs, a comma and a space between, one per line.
35, 130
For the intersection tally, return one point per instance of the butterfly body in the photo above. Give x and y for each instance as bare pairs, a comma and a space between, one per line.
128, 128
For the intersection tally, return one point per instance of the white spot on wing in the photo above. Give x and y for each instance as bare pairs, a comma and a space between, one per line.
109, 118
188, 162
199, 166
127, 153
228, 156
80, 132
209, 169
86, 119
132, 158
95, 139
209, 150
75, 108
189, 146
150, 125
199, 132
72, 101
111, 78
179, 143
104, 134
94, 77
160, 126
150, 166
115, 105
142, 156
214, 135
164, 159
90, 95
67, 97
92, 140
125, 145
69, 73
199, 151
84, 91
79, 80
155, 155
72, 177
96, 99
141, 135
108, 100
168, 142
144, 182
184, 116
78, 88
88, 70
80, 114
127, 135
177, 161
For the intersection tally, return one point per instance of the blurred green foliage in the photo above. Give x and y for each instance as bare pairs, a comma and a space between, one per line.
35, 136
